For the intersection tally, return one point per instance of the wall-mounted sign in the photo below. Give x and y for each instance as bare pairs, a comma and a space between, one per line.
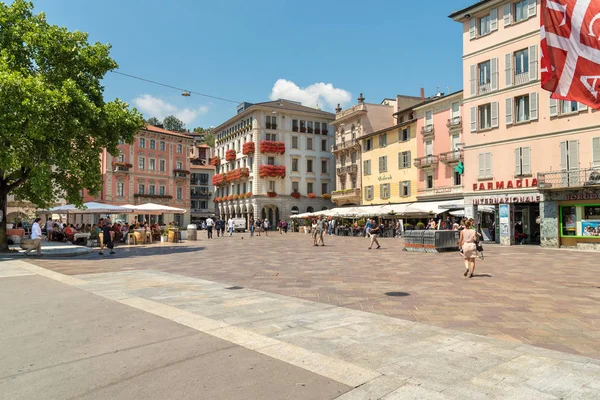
507, 199
510, 184
385, 177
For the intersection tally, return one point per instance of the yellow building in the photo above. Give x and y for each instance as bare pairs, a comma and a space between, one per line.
388, 173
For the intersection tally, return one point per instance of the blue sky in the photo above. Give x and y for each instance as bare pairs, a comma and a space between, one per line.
252, 50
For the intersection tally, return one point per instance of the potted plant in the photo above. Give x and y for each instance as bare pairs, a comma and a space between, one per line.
248, 195
164, 237
311, 195
271, 194
295, 195
307, 225
420, 226
326, 196
408, 227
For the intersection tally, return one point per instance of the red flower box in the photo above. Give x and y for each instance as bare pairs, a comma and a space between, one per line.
326, 196
271, 194
237, 174
215, 161
248, 148
217, 199
236, 196
218, 179
230, 197
271, 171
311, 195
303, 130
230, 155
269, 146
248, 195
317, 131
324, 132
295, 195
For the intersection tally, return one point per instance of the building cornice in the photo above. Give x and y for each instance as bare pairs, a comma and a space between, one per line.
474, 9
451, 96
496, 46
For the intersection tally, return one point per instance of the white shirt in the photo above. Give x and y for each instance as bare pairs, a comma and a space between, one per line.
209, 222
230, 223
49, 225
36, 231
266, 223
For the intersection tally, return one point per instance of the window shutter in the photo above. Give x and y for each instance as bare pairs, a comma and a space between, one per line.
380, 164
494, 71
488, 165
573, 154
472, 31
509, 111
494, 114
533, 106
494, 19
365, 168
532, 8
408, 158
473, 119
472, 73
526, 157
533, 63
517, 161
596, 152
506, 13
481, 157
408, 187
553, 107
381, 191
581, 107
508, 69
563, 156
400, 160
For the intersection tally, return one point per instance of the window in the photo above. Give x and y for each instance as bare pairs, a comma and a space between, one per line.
179, 165
485, 74
141, 163
141, 188
121, 141
404, 159
521, 10
151, 190
142, 143
152, 145
428, 120
302, 126
271, 122
310, 127
382, 140
485, 116
271, 136
245, 188
179, 193
485, 25
324, 167
429, 147
568, 107
522, 161
152, 164
568, 217
271, 160
367, 167
295, 186
596, 152
295, 142
343, 160
368, 192
324, 188
368, 144
324, 128
485, 165
353, 157
309, 166
121, 157
294, 165
120, 189
294, 125
429, 180
161, 190
162, 146
522, 108
310, 187
457, 178
162, 165
455, 112
383, 164
562, 107
405, 188
323, 144
179, 148
309, 144
569, 155
384, 191
522, 62
404, 135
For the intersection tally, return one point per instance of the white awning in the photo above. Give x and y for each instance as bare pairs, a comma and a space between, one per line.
155, 209
91, 208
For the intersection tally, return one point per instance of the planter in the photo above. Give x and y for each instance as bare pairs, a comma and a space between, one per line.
248, 148
164, 238
295, 195
271, 194
230, 155
273, 171
272, 147
9, 226
311, 195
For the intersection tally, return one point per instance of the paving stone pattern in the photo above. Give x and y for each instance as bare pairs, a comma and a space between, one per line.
522, 294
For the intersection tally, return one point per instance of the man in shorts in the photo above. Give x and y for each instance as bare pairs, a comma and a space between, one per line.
321, 230
209, 227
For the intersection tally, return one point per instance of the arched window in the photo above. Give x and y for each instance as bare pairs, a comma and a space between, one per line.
310, 209
295, 210
323, 208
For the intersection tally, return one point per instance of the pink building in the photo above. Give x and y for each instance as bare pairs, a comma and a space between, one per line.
439, 148
155, 168
534, 162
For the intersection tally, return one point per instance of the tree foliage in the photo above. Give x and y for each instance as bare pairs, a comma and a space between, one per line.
54, 122
173, 123
154, 121
209, 139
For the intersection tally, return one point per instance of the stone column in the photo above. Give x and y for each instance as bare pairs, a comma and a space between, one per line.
549, 223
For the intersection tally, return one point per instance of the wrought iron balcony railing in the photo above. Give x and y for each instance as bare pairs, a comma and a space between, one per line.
452, 156
580, 178
427, 130
455, 122
427, 161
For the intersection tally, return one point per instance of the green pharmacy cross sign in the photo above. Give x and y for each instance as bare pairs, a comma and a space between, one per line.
460, 168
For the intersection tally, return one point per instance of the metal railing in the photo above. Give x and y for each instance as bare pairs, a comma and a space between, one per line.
347, 169
454, 122
427, 130
521, 78
426, 161
485, 87
344, 194
589, 177
452, 156
344, 145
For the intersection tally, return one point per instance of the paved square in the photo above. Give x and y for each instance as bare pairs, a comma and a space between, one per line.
545, 298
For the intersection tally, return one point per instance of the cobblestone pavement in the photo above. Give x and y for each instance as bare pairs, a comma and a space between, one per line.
545, 298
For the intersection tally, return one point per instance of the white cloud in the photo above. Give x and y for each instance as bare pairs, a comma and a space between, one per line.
154, 107
327, 96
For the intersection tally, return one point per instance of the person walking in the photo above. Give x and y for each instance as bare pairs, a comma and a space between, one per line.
368, 227
49, 224
230, 226
106, 237
251, 224
36, 236
285, 227
266, 225
258, 224
222, 226
468, 239
374, 232
321, 230
314, 232
209, 227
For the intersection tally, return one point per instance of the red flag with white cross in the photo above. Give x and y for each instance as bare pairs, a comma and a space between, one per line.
570, 47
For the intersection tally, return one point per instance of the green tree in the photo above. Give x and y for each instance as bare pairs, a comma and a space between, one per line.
54, 122
172, 123
209, 139
199, 129
153, 121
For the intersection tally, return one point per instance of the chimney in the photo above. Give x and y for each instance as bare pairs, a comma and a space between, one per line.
422, 94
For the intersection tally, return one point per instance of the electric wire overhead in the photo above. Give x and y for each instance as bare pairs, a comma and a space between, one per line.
185, 92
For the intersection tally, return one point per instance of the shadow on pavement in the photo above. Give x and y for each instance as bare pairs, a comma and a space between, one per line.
126, 252
397, 294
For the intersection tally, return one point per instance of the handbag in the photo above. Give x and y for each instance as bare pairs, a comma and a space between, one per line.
478, 246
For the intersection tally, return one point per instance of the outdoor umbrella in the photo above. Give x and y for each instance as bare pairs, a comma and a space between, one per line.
91, 207
155, 209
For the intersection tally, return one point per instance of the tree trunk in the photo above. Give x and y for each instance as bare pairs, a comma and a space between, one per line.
3, 222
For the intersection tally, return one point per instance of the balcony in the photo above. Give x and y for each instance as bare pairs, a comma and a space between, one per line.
454, 123
485, 88
362, 108
438, 191
181, 173
452, 157
141, 198
347, 169
271, 126
201, 195
348, 196
581, 178
427, 131
200, 161
427, 162
521, 78
121, 167
350, 144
